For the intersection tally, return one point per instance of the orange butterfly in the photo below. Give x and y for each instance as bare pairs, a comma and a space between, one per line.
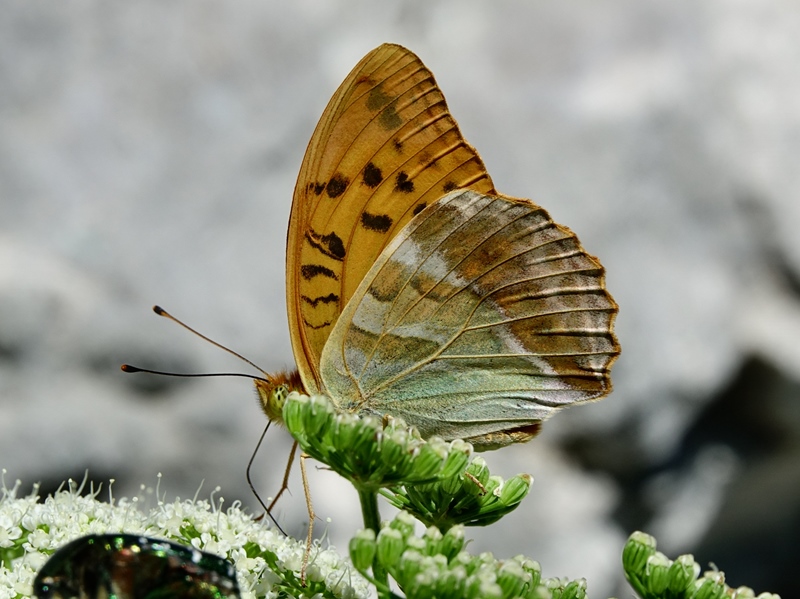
415, 290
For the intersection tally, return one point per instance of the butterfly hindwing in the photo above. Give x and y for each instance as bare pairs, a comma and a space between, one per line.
385, 148
480, 318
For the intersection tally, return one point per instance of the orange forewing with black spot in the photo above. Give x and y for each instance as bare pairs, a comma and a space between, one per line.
385, 148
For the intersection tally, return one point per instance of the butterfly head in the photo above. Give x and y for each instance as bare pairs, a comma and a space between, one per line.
273, 391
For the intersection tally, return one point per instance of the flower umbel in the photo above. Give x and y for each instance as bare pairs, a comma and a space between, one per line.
435, 565
471, 497
367, 451
432, 479
267, 563
654, 576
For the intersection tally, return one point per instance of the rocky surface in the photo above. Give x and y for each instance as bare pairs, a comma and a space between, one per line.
148, 153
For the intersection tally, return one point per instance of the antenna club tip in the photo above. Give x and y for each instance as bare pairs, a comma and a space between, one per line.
128, 368
159, 310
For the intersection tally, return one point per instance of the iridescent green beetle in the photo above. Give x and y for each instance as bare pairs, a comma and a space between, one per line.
127, 566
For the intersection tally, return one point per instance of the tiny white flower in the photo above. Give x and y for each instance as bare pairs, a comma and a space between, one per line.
39, 539
35, 560
9, 534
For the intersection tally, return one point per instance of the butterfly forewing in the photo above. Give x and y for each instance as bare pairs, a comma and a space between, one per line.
480, 317
385, 148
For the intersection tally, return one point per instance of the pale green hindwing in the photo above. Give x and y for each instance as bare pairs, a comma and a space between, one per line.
482, 315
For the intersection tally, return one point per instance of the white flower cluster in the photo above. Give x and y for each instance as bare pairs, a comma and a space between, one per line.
31, 530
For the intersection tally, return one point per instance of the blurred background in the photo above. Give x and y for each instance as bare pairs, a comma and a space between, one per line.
148, 153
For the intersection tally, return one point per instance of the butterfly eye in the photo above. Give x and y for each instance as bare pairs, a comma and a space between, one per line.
279, 395
272, 396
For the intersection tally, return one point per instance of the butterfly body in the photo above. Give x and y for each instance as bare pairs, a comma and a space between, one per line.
415, 290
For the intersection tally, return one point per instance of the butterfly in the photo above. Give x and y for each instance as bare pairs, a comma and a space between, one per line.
416, 290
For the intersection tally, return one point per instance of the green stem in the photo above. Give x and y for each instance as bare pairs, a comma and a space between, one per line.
372, 519
638, 586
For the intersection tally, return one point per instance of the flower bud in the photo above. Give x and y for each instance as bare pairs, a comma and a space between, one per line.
432, 538
515, 489
657, 572
410, 565
390, 547
414, 542
398, 461
480, 471
575, 590
711, 586
457, 458
319, 417
404, 523
532, 568
452, 542
638, 549
493, 486
362, 550
430, 460
451, 583
483, 584
512, 578
682, 573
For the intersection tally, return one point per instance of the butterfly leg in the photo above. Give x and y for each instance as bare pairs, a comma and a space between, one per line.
477, 483
285, 483
311, 515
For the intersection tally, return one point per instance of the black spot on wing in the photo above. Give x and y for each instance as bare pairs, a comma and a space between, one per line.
377, 99
323, 299
403, 183
330, 245
366, 80
376, 222
309, 271
372, 175
327, 323
389, 119
397, 145
317, 188
419, 208
449, 186
337, 185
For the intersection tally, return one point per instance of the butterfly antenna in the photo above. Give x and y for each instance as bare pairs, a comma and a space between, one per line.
189, 375
267, 510
129, 368
162, 312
